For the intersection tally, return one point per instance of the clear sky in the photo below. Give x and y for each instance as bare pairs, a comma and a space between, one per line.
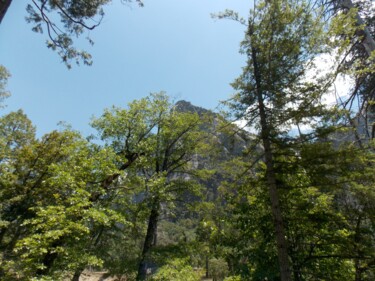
168, 45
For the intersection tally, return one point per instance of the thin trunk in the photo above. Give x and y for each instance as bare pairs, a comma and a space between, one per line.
358, 270
4, 5
48, 262
2, 234
12, 243
282, 248
297, 273
355, 131
77, 274
49, 258
357, 240
150, 240
207, 275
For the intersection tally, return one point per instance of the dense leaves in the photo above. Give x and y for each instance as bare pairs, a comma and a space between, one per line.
46, 199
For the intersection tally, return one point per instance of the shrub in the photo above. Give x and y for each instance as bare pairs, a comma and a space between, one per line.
176, 270
218, 269
233, 278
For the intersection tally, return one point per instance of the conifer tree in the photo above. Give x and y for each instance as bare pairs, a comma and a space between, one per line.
273, 94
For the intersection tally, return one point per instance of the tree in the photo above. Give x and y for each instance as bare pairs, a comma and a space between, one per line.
282, 38
308, 171
352, 31
4, 75
52, 201
348, 170
321, 199
164, 142
16, 132
76, 17
362, 30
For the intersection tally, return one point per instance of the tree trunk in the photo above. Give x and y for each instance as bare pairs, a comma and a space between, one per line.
48, 262
358, 270
2, 234
12, 243
150, 240
49, 258
368, 41
77, 274
297, 272
282, 248
4, 5
207, 274
357, 241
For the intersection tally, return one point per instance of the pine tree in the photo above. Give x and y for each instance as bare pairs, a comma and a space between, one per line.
273, 94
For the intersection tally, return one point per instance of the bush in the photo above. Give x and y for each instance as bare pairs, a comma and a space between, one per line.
233, 278
176, 270
218, 269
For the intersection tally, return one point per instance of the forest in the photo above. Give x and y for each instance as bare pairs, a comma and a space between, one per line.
277, 185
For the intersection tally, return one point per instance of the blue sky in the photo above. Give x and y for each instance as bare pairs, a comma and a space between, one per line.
168, 45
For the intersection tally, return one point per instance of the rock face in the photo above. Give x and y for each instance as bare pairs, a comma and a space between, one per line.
225, 138
232, 139
226, 141
360, 131
185, 106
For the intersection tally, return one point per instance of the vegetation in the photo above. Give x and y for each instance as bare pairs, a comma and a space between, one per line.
171, 191
76, 18
4, 75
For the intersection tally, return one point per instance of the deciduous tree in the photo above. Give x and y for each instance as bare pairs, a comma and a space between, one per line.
76, 17
49, 218
165, 142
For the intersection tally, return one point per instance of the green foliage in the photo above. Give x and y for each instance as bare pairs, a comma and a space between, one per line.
66, 203
327, 221
218, 269
311, 170
282, 41
176, 270
49, 200
233, 278
4, 75
76, 17
158, 144
275, 96
352, 38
